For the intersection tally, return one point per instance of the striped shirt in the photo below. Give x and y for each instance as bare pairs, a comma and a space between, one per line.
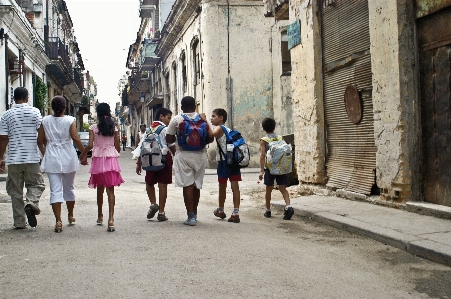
20, 124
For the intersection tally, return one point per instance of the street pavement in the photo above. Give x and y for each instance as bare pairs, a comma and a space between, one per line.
257, 258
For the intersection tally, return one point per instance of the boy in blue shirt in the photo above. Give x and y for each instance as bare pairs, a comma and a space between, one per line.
268, 125
225, 172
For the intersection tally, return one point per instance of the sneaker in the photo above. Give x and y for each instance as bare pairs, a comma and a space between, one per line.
288, 213
219, 214
31, 216
190, 222
152, 210
162, 217
267, 214
235, 218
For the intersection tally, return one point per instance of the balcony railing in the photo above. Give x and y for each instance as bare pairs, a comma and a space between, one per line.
56, 50
78, 79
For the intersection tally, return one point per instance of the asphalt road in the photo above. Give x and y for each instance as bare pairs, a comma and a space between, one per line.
257, 258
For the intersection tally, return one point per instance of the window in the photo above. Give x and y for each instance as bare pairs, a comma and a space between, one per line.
285, 54
183, 60
196, 63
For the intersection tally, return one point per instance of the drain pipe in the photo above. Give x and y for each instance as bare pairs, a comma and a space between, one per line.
6, 73
229, 78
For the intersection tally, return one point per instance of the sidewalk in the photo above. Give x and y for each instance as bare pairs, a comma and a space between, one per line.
425, 236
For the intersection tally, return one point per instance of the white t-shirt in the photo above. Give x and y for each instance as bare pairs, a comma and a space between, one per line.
20, 124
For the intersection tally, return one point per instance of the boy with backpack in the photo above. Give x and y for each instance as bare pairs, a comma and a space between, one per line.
274, 166
225, 171
155, 149
191, 134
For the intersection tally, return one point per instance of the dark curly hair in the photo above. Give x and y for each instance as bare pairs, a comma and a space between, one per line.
268, 124
58, 105
106, 125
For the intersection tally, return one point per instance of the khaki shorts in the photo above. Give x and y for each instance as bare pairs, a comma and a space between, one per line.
189, 168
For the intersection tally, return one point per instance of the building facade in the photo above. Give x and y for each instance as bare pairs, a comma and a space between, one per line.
39, 52
370, 94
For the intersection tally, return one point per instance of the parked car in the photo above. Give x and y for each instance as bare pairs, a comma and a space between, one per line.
84, 137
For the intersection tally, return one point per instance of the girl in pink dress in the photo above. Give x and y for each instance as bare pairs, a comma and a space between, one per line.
105, 169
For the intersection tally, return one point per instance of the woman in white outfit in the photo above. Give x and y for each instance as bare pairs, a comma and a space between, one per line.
56, 136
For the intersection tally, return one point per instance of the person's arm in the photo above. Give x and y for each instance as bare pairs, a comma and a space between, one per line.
74, 135
262, 158
84, 153
3, 144
41, 140
216, 132
117, 144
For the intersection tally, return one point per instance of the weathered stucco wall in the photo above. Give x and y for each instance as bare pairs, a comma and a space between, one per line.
395, 104
282, 96
306, 80
236, 46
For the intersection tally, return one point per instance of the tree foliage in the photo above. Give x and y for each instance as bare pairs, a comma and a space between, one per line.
41, 95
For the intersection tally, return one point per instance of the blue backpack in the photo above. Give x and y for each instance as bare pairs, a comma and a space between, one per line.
237, 153
193, 134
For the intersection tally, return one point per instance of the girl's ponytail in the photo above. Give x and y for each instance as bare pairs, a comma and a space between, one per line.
106, 125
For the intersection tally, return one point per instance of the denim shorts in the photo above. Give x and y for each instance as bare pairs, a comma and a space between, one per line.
269, 178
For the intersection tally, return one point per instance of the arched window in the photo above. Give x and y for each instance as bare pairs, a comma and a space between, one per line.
285, 54
196, 62
184, 79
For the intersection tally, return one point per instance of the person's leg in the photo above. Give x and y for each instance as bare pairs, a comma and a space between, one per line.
286, 196
236, 194
268, 197
188, 197
14, 188
151, 194
69, 194
111, 203
196, 198
34, 182
100, 190
162, 195
289, 211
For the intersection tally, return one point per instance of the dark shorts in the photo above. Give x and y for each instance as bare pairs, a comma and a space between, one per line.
225, 172
269, 179
163, 176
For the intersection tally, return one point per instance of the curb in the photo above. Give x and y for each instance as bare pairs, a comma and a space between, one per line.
436, 252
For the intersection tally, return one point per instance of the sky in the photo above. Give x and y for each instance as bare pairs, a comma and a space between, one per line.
105, 30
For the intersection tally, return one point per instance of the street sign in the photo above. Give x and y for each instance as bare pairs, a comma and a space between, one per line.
294, 34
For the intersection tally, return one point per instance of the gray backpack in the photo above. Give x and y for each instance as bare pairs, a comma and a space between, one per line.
152, 158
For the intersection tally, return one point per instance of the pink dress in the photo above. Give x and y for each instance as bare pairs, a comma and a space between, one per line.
105, 169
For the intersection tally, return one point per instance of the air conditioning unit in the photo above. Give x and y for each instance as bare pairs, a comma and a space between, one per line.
16, 67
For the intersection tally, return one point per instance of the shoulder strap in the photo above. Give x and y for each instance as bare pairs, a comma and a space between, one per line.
226, 133
159, 129
221, 151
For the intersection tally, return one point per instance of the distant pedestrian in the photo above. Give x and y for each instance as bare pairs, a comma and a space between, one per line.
191, 155
162, 177
141, 134
18, 129
225, 172
132, 140
124, 142
269, 125
55, 138
105, 170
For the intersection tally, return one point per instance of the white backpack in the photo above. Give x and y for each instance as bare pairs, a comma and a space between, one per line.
152, 156
279, 156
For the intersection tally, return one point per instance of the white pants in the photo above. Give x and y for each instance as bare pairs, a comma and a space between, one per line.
61, 187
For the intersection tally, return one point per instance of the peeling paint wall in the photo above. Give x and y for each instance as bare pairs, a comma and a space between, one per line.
235, 48
307, 93
395, 104
237, 38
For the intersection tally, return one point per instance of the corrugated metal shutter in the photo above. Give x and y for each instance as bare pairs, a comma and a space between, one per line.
351, 159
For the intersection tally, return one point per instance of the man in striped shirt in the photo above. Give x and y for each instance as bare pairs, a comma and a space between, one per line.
18, 129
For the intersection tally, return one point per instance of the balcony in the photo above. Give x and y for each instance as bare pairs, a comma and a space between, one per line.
148, 57
60, 67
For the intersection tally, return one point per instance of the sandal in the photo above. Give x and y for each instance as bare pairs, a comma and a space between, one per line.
110, 226
100, 220
58, 227
70, 219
